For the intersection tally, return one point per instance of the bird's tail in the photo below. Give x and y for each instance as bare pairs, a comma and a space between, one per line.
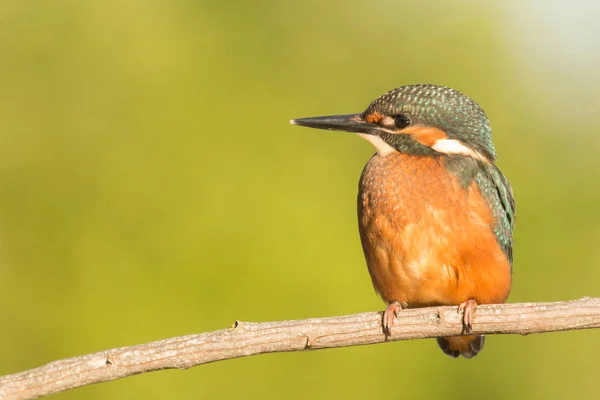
467, 346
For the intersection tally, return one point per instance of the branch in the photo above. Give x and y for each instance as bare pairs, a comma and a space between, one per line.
250, 338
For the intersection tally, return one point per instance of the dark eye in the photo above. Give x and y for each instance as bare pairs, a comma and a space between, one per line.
401, 121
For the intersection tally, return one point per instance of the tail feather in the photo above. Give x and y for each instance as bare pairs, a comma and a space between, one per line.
467, 346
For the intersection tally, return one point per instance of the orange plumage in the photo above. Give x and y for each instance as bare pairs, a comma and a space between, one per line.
427, 240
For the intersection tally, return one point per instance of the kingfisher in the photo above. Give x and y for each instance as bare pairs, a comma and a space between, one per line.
435, 214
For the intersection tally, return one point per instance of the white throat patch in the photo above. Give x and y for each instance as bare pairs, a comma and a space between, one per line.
383, 149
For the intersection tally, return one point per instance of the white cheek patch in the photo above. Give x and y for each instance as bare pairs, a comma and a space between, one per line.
452, 146
383, 149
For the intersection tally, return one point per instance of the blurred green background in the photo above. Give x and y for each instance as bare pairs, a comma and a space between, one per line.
151, 185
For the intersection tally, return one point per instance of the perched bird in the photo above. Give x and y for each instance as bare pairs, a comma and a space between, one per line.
435, 214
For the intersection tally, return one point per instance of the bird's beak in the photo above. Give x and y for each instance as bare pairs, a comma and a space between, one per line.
349, 123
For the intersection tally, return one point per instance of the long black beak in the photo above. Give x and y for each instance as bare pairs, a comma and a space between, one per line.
348, 123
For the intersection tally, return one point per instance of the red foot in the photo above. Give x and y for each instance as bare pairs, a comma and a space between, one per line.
467, 309
392, 311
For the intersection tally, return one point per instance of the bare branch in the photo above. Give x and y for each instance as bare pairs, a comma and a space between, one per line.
250, 338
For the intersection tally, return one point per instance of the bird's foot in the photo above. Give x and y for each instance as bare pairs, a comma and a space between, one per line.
466, 308
392, 311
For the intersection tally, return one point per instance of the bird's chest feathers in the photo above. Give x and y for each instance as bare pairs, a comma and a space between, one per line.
415, 219
409, 206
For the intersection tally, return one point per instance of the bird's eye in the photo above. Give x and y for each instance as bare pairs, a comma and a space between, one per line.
401, 121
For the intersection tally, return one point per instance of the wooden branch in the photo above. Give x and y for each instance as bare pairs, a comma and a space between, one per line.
250, 338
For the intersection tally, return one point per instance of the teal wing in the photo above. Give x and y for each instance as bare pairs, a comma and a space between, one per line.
498, 193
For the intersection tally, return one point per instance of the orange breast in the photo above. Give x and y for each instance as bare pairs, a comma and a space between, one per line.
427, 240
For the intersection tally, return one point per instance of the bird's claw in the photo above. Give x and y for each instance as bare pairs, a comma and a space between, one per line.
392, 311
466, 308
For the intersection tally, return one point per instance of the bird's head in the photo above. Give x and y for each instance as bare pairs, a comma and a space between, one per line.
419, 120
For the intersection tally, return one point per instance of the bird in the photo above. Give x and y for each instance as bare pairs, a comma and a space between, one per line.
435, 214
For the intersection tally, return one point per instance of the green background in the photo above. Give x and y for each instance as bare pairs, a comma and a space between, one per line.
151, 186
